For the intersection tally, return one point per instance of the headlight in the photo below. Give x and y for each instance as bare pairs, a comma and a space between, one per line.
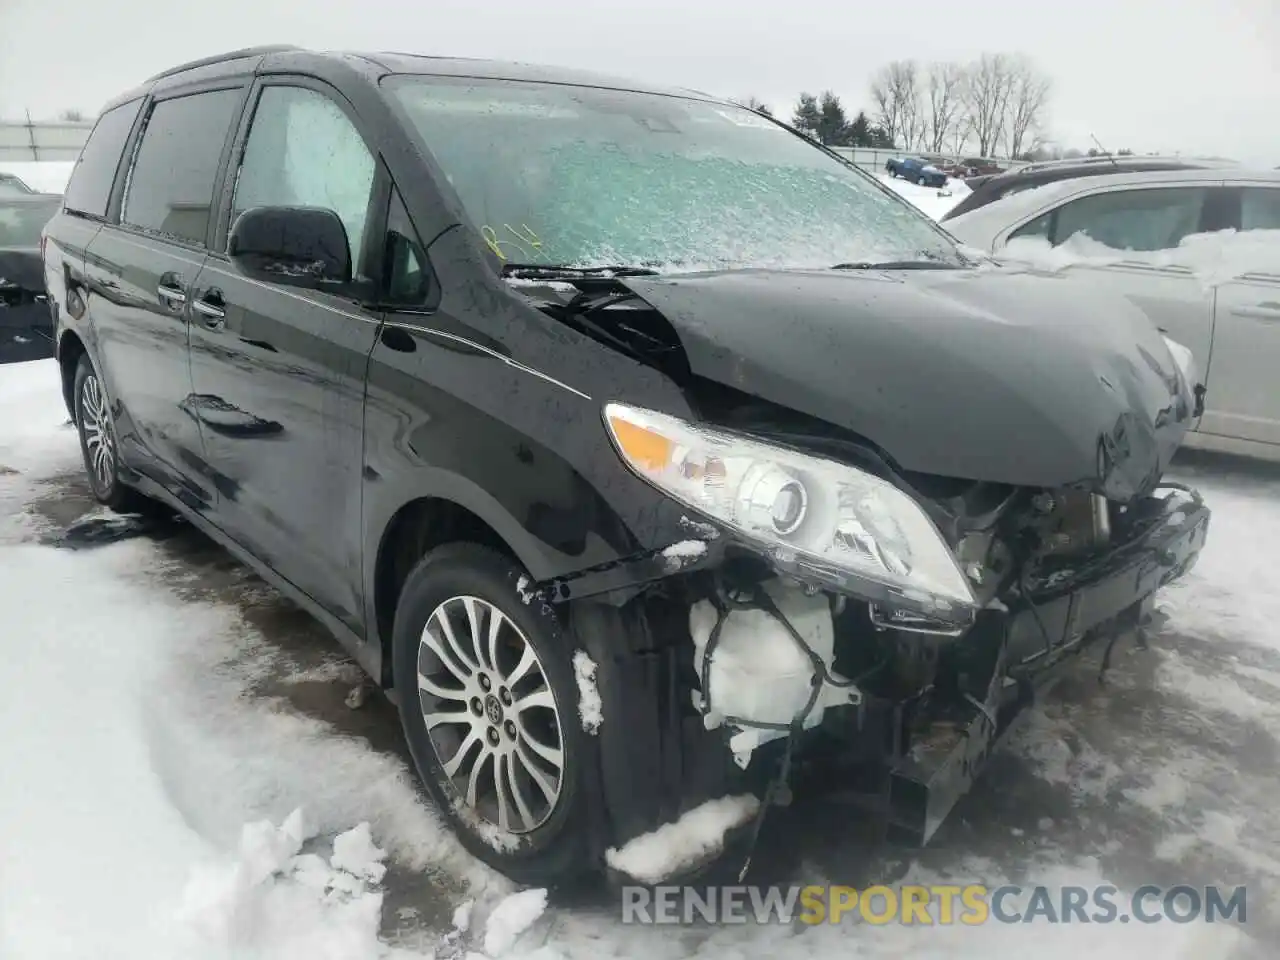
794, 504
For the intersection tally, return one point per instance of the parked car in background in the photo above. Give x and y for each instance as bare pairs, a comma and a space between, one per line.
1227, 311
26, 329
13, 185
917, 170
967, 167
433, 345
988, 189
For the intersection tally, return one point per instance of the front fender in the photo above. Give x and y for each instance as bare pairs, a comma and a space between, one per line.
528, 457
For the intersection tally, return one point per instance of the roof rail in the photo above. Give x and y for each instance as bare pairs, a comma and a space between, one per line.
222, 57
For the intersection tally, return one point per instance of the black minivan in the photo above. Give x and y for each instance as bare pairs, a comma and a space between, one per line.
647, 453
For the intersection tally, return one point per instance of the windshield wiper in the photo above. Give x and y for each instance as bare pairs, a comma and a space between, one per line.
551, 271
896, 265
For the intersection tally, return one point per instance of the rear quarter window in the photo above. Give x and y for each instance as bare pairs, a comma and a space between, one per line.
170, 188
89, 191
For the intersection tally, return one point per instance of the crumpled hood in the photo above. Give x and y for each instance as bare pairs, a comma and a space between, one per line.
1009, 376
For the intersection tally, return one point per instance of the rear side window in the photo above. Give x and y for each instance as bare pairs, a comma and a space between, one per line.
1260, 208
89, 191
1139, 220
170, 188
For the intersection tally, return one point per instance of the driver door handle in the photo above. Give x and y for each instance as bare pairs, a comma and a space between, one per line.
169, 292
1269, 311
211, 308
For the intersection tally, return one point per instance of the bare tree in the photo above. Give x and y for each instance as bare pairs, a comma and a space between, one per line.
895, 91
944, 88
73, 115
759, 106
1027, 102
987, 99
961, 131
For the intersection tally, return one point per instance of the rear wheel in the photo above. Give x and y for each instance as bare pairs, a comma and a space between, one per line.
98, 442
489, 706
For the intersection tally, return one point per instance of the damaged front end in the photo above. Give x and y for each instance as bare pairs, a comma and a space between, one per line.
753, 671
837, 611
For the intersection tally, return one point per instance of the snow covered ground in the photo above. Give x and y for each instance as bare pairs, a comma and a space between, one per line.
931, 200
181, 777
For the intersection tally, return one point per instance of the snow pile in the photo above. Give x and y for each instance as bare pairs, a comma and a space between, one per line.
696, 837
510, 918
354, 852
590, 707
44, 176
684, 553
1214, 258
272, 901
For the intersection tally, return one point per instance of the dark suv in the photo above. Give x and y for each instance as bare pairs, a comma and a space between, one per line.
647, 453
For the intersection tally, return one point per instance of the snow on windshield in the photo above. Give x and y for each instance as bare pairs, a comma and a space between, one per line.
584, 176
1214, 258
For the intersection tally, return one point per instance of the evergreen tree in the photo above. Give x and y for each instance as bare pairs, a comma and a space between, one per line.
860, 131
833, 126
807, 116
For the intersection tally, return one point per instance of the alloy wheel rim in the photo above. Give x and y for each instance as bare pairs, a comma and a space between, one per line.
490, 714
95, 421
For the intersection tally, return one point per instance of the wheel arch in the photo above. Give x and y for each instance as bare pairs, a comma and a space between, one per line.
70, 349
414, 529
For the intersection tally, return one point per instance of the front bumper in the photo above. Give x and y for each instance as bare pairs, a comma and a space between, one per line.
909, 757
1031, 644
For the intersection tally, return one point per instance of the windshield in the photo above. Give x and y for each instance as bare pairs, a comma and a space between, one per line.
21, 222
558, 174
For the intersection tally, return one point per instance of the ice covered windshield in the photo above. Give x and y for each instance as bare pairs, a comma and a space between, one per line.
21, 221
559, 174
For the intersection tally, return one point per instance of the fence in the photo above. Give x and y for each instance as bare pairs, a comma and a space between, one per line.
63, 139
58, 140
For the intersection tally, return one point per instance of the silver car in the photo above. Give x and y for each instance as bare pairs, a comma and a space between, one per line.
1230, 323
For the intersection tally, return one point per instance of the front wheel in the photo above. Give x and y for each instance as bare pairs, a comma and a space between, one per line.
98, 444
489, 705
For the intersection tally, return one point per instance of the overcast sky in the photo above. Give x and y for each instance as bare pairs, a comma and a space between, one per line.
1199, 76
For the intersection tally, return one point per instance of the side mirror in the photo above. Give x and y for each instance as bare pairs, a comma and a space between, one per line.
295, 246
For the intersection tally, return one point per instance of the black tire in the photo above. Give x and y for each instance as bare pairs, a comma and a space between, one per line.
558, 849
94, 421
